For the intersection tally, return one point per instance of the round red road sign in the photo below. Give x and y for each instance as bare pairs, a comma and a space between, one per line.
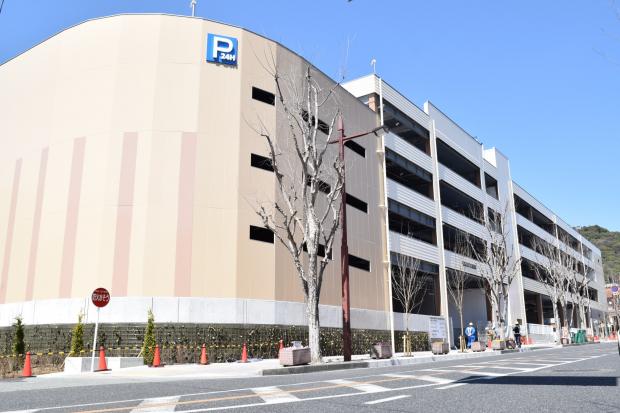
100, 297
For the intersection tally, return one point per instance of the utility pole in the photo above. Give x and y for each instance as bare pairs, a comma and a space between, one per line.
344, 248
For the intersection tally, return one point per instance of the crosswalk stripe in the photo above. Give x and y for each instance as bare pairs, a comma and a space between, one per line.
274, 395
472, 372
432, 379
387, 399
451, 386
157, 404
365, 387
492, 366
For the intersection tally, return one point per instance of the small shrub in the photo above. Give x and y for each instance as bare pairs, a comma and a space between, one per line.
19, 346
77, 338
148, 345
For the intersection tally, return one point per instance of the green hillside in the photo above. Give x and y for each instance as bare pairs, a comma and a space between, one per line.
609, 244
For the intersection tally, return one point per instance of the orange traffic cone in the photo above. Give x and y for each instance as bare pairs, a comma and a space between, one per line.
157, 357
244, 354
27, 366
103, 366
203, 355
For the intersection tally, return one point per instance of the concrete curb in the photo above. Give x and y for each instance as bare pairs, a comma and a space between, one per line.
401, 361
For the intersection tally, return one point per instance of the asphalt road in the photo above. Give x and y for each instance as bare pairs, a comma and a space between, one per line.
574, 379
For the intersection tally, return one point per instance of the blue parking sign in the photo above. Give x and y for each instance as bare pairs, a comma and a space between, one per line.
222, 49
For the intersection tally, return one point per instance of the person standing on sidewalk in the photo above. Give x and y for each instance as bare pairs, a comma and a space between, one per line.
470, 334
517, 332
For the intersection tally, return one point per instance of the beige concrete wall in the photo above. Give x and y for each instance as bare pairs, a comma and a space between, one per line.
148, 188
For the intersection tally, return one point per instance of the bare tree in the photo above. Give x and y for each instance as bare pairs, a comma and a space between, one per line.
582, 297
549, 272
499, 266
309, 180
409, 285
456, 282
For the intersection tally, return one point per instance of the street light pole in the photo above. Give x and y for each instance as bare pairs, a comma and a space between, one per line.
344, 247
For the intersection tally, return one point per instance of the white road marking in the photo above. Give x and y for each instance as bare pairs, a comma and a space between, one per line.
492, 366
365, 387
432, 379
451, 386
472, 372
387, 399
273, 395
157, 404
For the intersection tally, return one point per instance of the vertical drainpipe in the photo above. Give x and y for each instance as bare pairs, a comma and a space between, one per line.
443, 288
585, 274
388, 260
510, 205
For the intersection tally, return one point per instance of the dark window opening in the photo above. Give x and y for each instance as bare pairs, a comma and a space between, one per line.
451, 159
261, 234
463, 243
587, 252
471, 281
532, 214
568, 239
428, 301
411, 223
534, 242
263, 96
261, 162
356, 147
406, 128
460, 202
320, 125
320, 250
321, 185
360, 263
592, 294
357, 203
407, 173
491, 185
528, 269
495, 220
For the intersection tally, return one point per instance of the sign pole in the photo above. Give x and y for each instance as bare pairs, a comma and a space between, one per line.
92, 359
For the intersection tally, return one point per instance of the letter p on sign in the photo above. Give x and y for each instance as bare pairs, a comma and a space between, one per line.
222, 49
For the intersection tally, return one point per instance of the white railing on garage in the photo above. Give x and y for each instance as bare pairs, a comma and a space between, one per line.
540, 333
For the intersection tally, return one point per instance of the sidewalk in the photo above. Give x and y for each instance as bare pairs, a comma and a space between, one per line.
256, 368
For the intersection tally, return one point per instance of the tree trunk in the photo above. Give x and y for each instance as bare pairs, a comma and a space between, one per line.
582, 316
462, 330
505, 314
314, 335
556, 315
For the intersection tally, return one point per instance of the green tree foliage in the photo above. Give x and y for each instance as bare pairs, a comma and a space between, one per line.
77, 337
19, 346
609, 244
148, 345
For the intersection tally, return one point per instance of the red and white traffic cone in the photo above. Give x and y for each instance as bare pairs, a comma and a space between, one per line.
27, 366
103, 365
204, 359
244, 354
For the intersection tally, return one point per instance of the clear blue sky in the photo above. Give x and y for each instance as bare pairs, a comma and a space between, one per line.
540, 80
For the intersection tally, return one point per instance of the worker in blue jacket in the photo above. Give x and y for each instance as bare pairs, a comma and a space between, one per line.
470, 334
